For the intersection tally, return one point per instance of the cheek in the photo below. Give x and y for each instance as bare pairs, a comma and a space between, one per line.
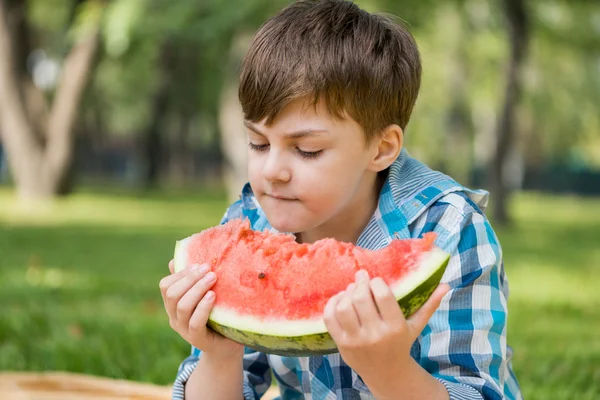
254, 168
330, 182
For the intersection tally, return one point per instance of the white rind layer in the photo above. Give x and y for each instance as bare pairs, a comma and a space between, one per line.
180, 258
428, 264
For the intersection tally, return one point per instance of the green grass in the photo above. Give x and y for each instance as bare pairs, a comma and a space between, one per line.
552, 258
79, 287
79, 283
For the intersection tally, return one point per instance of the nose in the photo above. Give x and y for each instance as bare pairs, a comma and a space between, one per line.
275, 168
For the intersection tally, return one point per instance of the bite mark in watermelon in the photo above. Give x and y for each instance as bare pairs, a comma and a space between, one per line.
271, 291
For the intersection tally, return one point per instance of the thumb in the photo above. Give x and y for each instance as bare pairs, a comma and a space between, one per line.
418, 320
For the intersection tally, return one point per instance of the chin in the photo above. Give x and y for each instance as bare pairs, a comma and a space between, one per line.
287, 223
286, 226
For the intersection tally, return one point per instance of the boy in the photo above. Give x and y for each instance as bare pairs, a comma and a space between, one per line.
327, 91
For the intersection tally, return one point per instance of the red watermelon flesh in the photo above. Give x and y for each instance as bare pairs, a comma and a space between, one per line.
271, 291
272, 276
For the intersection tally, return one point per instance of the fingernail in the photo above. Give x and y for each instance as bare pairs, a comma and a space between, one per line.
199, 269
351, 287
362, 276
210, 277
209, 295
203, 269
378, 285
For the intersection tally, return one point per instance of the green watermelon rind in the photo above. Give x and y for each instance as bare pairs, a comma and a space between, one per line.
312, 343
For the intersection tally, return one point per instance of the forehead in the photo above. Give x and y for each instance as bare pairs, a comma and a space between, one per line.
300, 114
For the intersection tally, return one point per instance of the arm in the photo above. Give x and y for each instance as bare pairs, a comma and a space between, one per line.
374, 338
457, 340
411, 381
254, 377
215, 378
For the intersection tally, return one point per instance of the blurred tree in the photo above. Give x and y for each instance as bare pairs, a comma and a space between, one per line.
39, 136
160, 102
518, 25
220, 32
164, 92
238, 26
563, 83
177, 105
456, 125
231, 117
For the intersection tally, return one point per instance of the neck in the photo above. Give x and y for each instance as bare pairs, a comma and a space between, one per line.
347, 225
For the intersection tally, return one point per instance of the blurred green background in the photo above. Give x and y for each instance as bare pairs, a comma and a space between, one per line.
120, 133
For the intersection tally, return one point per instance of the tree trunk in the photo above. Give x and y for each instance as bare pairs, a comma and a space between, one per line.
153, 153
23, 151
231, 118
459, 135
39, 148
518, 30
75, 76
181, 166
65, 181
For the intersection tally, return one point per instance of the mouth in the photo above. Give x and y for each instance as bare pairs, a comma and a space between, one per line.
280, 197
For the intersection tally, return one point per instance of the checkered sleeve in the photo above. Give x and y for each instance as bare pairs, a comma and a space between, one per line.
464, 343
257, 374
183, 374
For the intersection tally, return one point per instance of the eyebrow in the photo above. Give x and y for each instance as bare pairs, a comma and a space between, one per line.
290, 135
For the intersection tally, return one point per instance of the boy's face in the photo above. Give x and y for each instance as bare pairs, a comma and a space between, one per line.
309, 170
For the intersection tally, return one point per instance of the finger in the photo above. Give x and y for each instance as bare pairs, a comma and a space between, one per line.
419, 319
385, 300
346, 315
333, 326
361, 276
350, 288
190, 300
176, 291
363, 302
199, 318
171, 266
169, 280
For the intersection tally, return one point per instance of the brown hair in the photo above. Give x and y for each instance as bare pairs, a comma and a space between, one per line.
366, 65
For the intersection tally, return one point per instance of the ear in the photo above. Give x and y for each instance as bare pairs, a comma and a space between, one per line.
386, 147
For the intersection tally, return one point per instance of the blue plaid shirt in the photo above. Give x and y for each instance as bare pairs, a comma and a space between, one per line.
463, 345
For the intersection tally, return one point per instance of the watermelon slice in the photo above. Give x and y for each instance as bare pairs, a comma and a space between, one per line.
271, 291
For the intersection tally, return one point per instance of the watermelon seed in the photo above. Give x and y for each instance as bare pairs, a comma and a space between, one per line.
261, 275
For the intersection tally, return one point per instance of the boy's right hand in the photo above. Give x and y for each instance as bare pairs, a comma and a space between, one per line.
188, 300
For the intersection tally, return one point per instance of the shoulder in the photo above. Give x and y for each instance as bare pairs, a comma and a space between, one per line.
452, 210
413, 191
234, 211
465, 233
457, 219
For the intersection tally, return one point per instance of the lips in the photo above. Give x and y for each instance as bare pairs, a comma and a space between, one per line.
280, 197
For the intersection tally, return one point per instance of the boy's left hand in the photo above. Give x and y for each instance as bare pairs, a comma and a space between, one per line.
369, 328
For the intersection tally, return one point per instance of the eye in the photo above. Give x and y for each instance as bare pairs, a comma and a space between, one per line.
258, 147
308, 154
